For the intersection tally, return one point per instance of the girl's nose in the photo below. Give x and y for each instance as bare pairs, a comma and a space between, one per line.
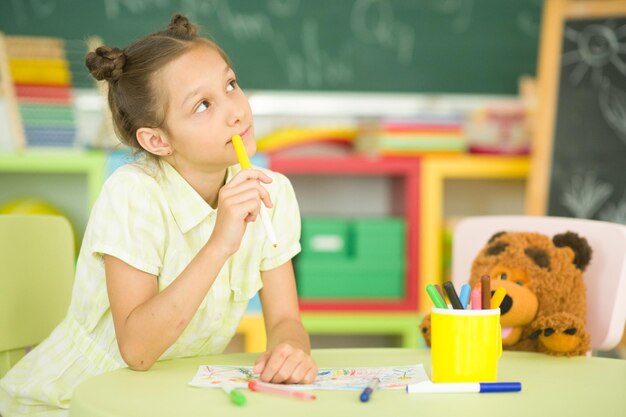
235, 113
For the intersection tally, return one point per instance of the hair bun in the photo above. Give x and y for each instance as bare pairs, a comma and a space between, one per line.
181, 27
106, 63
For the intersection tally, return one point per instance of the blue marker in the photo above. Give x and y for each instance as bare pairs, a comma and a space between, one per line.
367, 392
482, 387
465, 294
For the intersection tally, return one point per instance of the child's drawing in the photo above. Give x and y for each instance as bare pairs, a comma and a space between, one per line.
211, 376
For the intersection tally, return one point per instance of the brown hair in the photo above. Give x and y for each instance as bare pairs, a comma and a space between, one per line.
133, 96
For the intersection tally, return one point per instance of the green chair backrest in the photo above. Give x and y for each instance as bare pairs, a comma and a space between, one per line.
36, 276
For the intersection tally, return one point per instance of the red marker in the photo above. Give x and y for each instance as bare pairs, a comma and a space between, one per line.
277, 389
476, 299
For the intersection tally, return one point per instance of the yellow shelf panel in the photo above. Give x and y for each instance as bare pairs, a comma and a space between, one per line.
90, 163
252, 328
404, 325
435, 170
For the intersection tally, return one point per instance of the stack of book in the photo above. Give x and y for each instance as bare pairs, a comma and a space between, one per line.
42, 84
296, 141
427, 134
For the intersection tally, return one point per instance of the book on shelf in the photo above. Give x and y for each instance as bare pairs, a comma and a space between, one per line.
37, 85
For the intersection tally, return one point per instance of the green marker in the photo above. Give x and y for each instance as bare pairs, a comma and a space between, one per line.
435, 297
236, 396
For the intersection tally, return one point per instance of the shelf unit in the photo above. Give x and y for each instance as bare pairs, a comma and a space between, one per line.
403, 325
419, 193
435, 170
405, 204
49, 174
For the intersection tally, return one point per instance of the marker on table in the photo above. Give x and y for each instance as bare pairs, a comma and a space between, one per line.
276, 389
367, 392
454, 299
242, 156
452, 387
465, 295
236, 396
497, 297
435, 297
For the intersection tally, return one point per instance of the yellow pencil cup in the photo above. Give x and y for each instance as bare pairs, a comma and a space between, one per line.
465, 345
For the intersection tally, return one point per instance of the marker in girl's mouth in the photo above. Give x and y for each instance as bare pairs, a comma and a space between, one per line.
242, 156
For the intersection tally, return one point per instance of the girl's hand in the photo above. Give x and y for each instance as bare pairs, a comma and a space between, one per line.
239, 203
286, 364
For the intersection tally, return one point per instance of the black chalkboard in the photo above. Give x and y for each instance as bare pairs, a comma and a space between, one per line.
414, 46
588, 176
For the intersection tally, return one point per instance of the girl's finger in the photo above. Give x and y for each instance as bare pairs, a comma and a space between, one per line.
272, 366
248, 174
259, 364
310, 376
262, 193
300, 371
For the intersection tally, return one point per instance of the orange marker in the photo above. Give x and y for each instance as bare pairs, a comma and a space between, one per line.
497, 297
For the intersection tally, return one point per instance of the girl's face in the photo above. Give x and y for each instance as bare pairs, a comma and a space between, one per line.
205, 109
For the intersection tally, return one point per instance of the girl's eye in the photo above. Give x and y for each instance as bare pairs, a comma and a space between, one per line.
232, 84
204, 105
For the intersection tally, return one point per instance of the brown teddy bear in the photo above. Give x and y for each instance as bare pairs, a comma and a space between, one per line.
545, 305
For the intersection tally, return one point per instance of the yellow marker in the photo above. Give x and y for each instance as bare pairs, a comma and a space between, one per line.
497, 297
242, 156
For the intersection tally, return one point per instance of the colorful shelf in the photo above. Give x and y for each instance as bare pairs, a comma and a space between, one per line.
405, 203
435, 170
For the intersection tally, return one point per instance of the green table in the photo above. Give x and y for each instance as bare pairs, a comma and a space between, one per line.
551, 386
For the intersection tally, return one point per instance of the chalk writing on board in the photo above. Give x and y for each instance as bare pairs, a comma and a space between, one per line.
459, 12
40, 9
373, 22
327, 45
584, 194
599, 46
590, 182
613, 107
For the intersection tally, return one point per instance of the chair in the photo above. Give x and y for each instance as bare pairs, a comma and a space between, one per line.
36, 276
605, 277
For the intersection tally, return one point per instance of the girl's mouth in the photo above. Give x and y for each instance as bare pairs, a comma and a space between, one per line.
244, 133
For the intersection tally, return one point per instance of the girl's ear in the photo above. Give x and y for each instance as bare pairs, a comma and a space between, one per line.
153, 141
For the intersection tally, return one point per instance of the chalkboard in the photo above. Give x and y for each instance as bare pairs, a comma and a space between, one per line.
586, 171
414, 46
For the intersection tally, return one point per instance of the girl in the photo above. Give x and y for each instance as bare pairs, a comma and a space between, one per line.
172, 252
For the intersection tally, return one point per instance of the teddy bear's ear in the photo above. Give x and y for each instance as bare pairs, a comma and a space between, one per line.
578, 244
495, 236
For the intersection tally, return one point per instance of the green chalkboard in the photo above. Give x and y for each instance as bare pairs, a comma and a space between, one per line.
413, 46
588, 175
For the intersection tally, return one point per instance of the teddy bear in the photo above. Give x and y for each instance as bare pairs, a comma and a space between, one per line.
544, 309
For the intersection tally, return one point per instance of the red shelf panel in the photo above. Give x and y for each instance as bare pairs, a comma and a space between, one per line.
406, 168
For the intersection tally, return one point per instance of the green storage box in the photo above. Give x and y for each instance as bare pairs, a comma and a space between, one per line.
326, 238
341, 279
381, 238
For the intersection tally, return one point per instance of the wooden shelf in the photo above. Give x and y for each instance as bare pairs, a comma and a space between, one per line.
406, 205
89, 163
403, 325
435, 170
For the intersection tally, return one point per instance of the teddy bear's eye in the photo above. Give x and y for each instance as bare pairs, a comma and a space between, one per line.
519, 282
503, 275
